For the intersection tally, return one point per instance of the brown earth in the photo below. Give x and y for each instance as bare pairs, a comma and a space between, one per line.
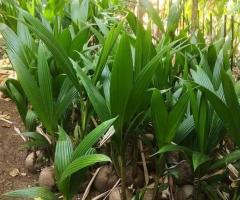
12, 156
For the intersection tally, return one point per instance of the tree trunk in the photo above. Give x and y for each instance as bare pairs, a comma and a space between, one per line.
194, 22
140, 12
232, 41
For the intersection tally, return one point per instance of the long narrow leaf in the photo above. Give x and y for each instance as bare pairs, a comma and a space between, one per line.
153, 13
231, 157
176, 116
159, 116
34, 192
47, 37
97, 100
231, 98
202, 124
107, 47
45, 84
83, 162
63, 157
141, 83
92, 138
27, 80
121, 80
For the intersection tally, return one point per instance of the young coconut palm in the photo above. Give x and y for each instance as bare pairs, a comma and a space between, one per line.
70, 164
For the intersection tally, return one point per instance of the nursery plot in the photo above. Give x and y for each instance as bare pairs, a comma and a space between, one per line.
123, 100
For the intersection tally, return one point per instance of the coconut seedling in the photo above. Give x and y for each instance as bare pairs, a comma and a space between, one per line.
60, 55
207, 127
38, 89
70, 165
36, 60
224, 101
166, 121
127, 97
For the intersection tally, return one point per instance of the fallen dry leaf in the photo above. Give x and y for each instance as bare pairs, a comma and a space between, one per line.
15, 172
23, 174
5, 118
6, 126
87, 190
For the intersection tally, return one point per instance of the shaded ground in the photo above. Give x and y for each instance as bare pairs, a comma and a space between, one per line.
11, 156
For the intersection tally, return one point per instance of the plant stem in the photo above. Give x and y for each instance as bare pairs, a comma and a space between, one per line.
196, 186
84, 112
155, 189
123, 175
159, 172
115, 159
236, 197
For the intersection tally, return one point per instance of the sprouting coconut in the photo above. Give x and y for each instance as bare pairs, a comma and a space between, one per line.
105, 179
185, 192
148, 194
116, 194
134, 177
185, 173
46, 177
90, 196
149, 136
31, 163
173, 158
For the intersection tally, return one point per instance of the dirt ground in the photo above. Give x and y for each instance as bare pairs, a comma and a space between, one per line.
13, 175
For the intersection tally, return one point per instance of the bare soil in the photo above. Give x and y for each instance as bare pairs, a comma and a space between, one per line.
12, 156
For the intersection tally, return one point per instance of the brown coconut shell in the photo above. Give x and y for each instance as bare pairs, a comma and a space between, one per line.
105, 179
46, 178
